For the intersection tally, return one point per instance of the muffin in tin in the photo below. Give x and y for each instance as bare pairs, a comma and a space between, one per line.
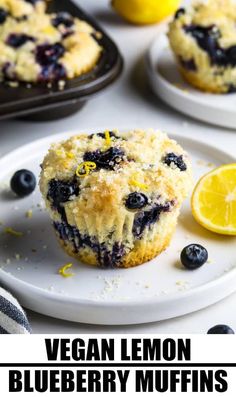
114, 198
203, 39
20, 8
46, 48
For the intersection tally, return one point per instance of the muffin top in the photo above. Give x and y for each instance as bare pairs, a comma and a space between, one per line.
110, 170
48, 48
211, 24
20, 8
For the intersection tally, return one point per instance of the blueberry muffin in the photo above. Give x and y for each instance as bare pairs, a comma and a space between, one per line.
20, 8
114, 198
46, 48
204, 42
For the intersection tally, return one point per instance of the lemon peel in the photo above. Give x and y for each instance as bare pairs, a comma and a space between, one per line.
108, 138
9, 230
63, 270
85, 168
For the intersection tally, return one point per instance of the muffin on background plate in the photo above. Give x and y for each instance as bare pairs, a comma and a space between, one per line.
203, 39
114, 198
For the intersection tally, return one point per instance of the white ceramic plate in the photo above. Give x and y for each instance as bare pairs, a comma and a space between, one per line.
157, 290
167, 83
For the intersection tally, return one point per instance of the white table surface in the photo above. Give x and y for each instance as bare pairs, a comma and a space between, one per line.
128, 103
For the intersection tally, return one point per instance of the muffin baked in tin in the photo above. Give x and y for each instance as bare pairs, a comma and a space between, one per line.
45, 48
203, 39
114, 198
20, 8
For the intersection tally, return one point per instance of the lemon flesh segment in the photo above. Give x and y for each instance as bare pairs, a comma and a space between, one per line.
214, 200
145, 11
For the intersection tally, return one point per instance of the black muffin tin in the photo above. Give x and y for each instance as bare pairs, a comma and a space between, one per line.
40, 103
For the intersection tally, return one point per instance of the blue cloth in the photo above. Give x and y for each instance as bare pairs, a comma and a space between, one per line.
13, 319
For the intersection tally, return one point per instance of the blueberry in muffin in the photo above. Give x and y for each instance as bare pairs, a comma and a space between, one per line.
114, 198
43, 48
203, 39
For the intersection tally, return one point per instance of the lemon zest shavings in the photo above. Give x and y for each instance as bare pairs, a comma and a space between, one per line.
50, 30
59, 153
108, 138
139, 184
63, 270
9, 230
85, 168
70, 155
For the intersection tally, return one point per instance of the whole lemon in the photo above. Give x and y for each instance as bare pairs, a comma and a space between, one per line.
145, 11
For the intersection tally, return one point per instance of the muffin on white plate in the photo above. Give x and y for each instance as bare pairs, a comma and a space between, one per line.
203, 39
44, 48
114, 198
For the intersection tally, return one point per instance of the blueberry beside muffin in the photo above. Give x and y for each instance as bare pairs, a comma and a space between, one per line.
114, 198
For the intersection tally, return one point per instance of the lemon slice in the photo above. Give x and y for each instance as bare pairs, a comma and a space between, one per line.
214, 200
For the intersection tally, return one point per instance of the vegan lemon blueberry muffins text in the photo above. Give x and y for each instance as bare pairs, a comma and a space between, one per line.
114, 198
40, 47
204, 42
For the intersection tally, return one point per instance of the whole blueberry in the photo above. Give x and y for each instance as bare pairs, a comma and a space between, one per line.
61, 191
178, 161
46, 54
136, 201
180, 12
53, 72
23, 183
3, 15
32, 1
221, 329
193, 256
63, 18
231, 55
17, 40
102, 135
107, 159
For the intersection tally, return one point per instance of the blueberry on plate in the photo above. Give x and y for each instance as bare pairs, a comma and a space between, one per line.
136, 201
221, 329
23, 183
193, 256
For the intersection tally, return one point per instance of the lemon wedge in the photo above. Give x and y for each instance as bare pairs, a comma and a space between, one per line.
214, 200
145, 11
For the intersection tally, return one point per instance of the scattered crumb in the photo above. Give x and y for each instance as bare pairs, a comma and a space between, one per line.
29, 214
98, 35
61, 85
9, 230
17, 256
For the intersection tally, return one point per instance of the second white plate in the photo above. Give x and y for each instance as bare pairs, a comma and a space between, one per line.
157, 290
167, 83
